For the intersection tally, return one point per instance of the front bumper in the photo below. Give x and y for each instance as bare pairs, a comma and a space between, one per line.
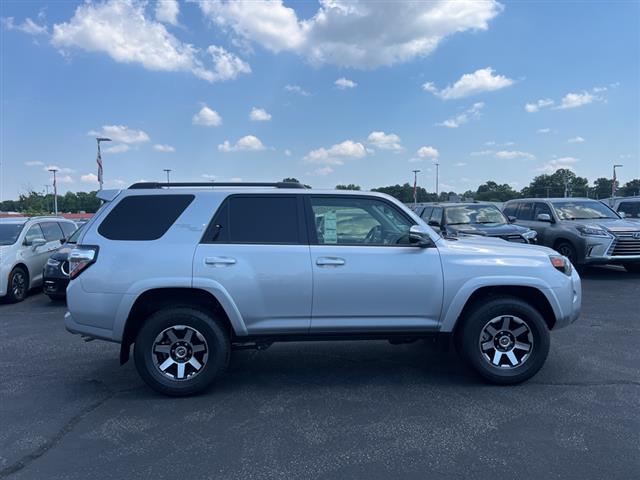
619, 249
55, 286
569, 301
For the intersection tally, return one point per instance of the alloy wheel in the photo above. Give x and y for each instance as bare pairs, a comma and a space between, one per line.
18, 284
180, 352
506, 342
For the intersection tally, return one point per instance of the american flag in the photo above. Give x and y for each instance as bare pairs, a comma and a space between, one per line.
99, 162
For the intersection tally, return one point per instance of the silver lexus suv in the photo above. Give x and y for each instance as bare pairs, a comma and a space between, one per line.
187, 272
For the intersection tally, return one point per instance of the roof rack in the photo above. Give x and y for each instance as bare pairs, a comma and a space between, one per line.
151, 185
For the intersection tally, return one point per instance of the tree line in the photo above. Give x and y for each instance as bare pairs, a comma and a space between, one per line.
553, 185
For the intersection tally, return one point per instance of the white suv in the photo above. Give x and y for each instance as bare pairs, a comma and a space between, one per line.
25, 246
187, 272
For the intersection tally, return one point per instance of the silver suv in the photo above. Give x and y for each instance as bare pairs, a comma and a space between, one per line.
25, 246
188, 272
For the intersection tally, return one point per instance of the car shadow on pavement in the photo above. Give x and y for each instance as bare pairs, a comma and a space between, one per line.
609, 272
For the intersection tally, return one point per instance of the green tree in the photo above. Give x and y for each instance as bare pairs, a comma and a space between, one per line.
631, 188
493, 192
602, 187
290, 180
554, 185
404, 193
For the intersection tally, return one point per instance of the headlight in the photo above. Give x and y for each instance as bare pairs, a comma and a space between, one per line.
530, 235
561, 263
592, 231
52, 262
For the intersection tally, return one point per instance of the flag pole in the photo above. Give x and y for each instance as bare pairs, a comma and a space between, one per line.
99, 159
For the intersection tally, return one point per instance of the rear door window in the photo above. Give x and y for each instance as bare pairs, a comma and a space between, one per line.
143, 217
436, 214
34, 232
510, 210
525, 212
258, 219
630, 209
426, 213
541, 208
52, 231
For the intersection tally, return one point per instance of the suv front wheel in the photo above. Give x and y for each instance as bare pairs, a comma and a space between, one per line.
181, 350
505, 340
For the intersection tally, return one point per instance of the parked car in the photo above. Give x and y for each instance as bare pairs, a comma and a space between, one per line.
220, 266
586, 231
483, 219
56, 270
628, 207
25, 246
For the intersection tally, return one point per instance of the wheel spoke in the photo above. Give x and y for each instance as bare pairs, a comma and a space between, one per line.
522, 346
492, 331
166, 364
496, 357
520, 330
512, 358
195, 363
487, 345
162, 348
188, 335
172, 336
181, 370
505, 323
198, 348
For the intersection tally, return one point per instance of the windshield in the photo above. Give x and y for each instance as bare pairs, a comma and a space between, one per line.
474, 214
9, 233
589, 210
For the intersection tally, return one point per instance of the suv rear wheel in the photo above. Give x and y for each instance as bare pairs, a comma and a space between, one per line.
180, 351
18, 285
505, 340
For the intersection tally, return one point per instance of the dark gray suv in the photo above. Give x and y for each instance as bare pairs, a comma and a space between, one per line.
587, 231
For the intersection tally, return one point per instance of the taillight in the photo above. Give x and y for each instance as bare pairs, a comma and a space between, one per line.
80, 258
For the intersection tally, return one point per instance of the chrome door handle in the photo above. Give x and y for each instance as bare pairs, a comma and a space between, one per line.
330, 261
218, 261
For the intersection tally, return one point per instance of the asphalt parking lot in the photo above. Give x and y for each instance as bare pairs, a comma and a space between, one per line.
326, 410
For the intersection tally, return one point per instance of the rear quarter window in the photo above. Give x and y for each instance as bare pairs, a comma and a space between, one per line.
144, 217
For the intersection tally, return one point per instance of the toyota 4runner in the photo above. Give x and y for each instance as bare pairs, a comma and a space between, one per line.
187, 272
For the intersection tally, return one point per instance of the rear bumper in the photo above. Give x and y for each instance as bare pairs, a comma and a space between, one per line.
86, 330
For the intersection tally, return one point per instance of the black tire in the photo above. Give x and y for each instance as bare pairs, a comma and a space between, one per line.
469, 340
568, 250
632, 267
218, 348
18, 285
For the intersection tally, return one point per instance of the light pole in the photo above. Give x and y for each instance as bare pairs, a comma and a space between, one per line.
99, 159
55, 191
437, 181
167, 171
46, 196
415, 187
613, 184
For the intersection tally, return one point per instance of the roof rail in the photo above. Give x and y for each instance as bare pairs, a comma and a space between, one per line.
152, 185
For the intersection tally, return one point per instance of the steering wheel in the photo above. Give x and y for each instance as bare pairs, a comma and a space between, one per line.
374, 235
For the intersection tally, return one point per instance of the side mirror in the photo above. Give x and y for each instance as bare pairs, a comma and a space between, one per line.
544, 217
37, 242
512, 219
419, 236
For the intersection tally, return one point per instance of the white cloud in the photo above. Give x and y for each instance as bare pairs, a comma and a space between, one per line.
427, 152
344, 83
336, 154
482, 153
118, 148
322, 171
167, 11
60, 170
246, 143
226, 66
34, 163
287, 152
511, 154
577, 139
460, 164
574, 100
480, 81
121, 133
552, 165
351, 34
297, 89
259, 115
535, 106
158, 147
385, 141
89, 178
464, 117
28, 26
544, 130
207, 117
121, 29
117, 182
64, 179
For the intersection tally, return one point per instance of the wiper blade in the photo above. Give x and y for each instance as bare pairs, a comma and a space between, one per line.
459, 223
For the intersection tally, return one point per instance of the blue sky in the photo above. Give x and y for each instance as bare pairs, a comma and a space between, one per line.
492, 91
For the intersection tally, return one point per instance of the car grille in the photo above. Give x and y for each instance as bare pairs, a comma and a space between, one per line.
514, 238
625, 244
